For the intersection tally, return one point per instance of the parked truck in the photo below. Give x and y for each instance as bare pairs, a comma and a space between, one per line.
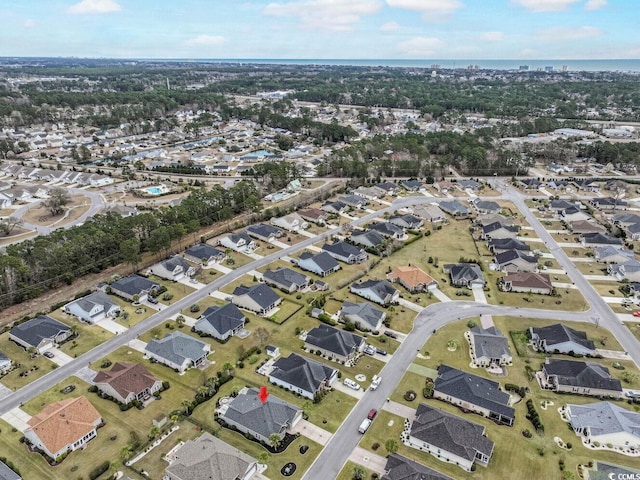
364, 426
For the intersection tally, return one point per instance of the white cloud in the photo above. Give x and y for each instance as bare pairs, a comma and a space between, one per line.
431, 9
492, 36
206, 41
563, 34
30, 23
538, 6
337, 15
94, 6
389, 26
420, 46
592, 5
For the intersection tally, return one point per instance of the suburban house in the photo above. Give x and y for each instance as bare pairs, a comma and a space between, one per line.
606, 424
388, 230
486, 206
412, 278
178, 350
449, 438
63, 426
411, 185
127, 382
322, 264
444, 186
173, 268
498, 230
221, 322
513, 261
239, 242
335, 208
609, 254
5, 363
134, 286
474, 393
6, 473
584, 226
345, 252
561, 339
353, 201
302, 375
403, 468
378, 291
573, 214
388, 187
314, 215
292, 222
469, 184
454, 208
336, 344
251, 416
264, 232
92, 308
367, 238
204, 254
407, 221
526, 282
599, 240
259, 299
581, 378
208, 457
465, 274
489, 347
609, 203
430, 213
370, 193
489, 218
286, 279
629, 270
41, 333
499, 245
364, 315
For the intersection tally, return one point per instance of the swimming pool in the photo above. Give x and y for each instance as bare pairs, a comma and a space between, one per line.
155, 190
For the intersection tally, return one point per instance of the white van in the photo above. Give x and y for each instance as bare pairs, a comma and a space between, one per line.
364, 426
375, 381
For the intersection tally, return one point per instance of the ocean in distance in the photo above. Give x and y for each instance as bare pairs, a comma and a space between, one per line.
613, 65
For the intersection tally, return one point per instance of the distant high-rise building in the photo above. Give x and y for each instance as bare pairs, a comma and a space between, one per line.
523, 68
565, 68
548, 68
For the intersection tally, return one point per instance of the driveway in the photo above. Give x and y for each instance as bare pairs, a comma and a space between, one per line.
138, 345
4, 391
439, 294
59, 357
18, 418
369, 460
478, 294
615, 354
399, 409
410, 305
348, 390
111, 326
312, 432
86, 374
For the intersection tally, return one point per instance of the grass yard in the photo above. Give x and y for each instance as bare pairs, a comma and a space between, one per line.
178, 290
591, 268
607, 289
347, 471
571, 299
203, 303
386, 425
207, 275
32, 368
235, 260
634, 327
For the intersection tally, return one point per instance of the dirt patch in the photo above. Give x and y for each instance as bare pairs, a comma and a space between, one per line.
17, 233
39, 215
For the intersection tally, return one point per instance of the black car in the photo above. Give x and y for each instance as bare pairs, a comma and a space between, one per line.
390, 334
381, 352
48, 354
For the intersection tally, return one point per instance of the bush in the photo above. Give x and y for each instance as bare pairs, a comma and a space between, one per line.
106, 364
99, 470
375, 446
167, 296
194, 308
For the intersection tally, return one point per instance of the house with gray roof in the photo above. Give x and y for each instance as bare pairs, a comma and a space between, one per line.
322, 264
430, 213
173, 268
403, 468
489, 347
559, 338
388, 230
221, 323
606, 471
8, 474
239, 242
363, 315
498, 230
599, 240
499, 245
178, 350
465, 274
629, 270
471, 392
489, 218
302, 375
93, 307
204, 254
259, 299
378, 291
367, 238
514, 261
132, 286
486, 206
41, 333
407, 221
449, 438
412, 185
467, 183
251, 416
209, 458
584, 226
336, 344
610, 254
454, 208
345, 252
333, 207
286, 279
605, 423
353, 201
370, 193
264, 232
291, 222
580, 378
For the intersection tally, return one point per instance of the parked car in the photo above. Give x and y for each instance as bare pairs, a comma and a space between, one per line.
152, 300
632, 394
351, 384
381, 352
375, 381
370, 350
364, 426
68, 389
372, 414
636, 313
390, 334
48, 354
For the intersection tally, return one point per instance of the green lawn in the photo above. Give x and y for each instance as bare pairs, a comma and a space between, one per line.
386, 425
207, 275
33, 368
177, 289
203, 303
89, 336
347, 471
634, 327
607, 289
592, 268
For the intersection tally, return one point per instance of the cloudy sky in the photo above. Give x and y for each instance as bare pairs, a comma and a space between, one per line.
322, 29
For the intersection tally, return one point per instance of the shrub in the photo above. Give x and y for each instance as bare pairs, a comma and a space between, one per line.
194, 308
167, 296
375, 446
99, 470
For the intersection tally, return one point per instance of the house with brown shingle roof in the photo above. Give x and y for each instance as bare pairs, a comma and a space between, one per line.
127, 382
314, 215
63, 426
412, 278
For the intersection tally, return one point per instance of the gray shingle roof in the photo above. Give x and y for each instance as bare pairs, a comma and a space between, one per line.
334, 340
492, 227
402, 468
134, 284
362, 312
453, 207
261, 294
509, 256
93, 299
508, 244
176, 347
489, 342
175, 261
285, 276
203, 251
382, 288
600, 238
473, 389
387, 228
450, 433
465, 271
488, 205
223, 319
264, 230
236, 237
263, 418
38, 329
366, 237
342, 249
581, 374
325, 261
302, 372
604, 418
559, 333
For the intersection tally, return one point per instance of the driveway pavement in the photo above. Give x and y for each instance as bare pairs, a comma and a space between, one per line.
439, 294
615, 354
348, 390
86, 374
312, 432
369, 460
111, 326
138, 345
399, 409
59, 357
4, 391
18, 418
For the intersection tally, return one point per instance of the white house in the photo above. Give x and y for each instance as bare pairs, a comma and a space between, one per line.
93, 308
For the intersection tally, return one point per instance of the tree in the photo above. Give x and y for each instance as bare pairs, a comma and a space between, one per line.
358, 473
263, 457
57, 200
274, 440
187, 406
130, 251
8, 224
126, 452
262, 334
154, 433
391, 445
